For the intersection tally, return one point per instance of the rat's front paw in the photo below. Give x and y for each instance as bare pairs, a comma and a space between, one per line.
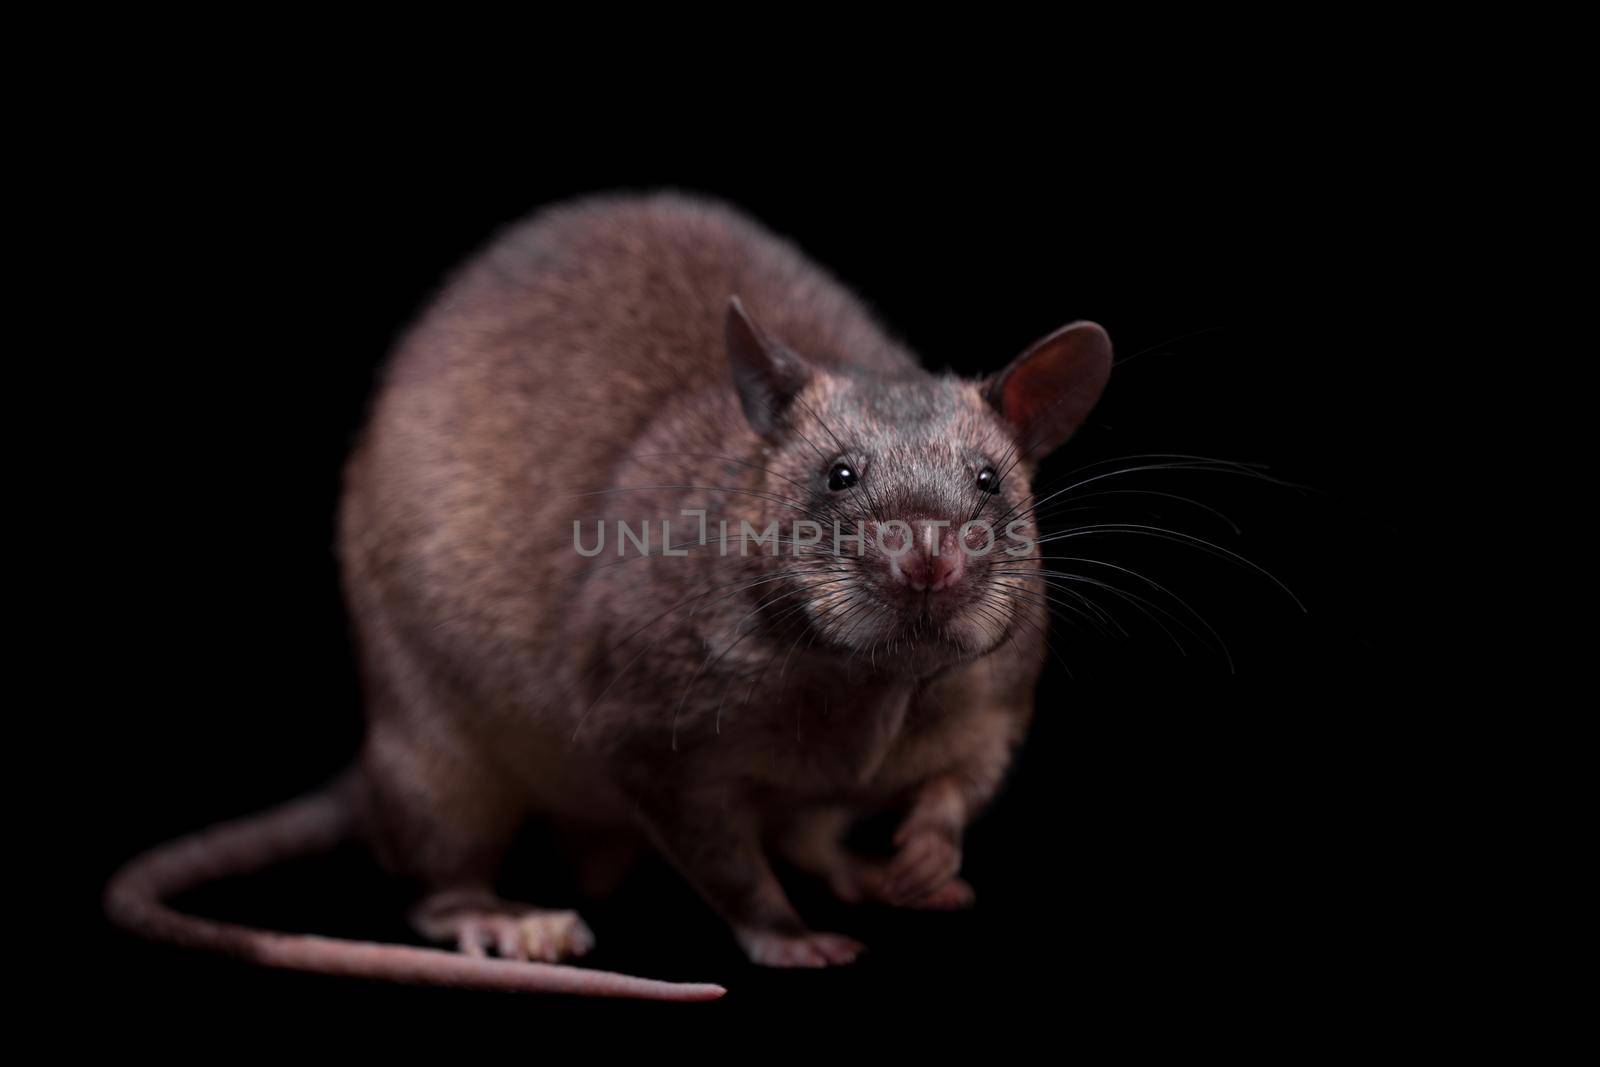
954, 895
768, 948
926, 862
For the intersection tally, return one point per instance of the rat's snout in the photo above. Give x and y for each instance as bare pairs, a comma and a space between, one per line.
933, 561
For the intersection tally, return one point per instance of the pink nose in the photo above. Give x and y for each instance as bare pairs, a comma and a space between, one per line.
933, 563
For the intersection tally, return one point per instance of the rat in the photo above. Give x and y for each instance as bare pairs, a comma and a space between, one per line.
661, 370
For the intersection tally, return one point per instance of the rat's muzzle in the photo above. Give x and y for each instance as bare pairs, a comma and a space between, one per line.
924, 555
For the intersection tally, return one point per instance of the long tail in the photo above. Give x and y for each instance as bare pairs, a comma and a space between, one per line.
134, 900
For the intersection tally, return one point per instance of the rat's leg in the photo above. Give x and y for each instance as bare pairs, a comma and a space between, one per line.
719, 850
814, 842
440, 818
923, 871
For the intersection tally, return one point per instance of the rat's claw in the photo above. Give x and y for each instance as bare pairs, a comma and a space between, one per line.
954, 895
511, 932
554, 935
506, 942
925, 863
472, 938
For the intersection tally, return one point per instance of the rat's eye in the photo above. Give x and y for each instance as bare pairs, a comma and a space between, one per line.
843, 476
988, 480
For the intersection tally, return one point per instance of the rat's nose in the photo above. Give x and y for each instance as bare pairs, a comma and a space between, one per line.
934, 561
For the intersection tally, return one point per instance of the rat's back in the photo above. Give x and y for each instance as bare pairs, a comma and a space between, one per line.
577, 324
528, 380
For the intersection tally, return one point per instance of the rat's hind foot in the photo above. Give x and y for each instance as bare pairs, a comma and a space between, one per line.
482, 925
768, 948
548, 936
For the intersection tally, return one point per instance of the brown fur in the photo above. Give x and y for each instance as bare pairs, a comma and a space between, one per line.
578, 370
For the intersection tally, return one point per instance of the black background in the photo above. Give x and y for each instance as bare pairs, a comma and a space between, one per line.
1182, 848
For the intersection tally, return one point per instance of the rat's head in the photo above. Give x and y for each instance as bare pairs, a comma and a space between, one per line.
928, 480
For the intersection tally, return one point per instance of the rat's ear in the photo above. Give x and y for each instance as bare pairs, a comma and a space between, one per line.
1048, 391
766, 374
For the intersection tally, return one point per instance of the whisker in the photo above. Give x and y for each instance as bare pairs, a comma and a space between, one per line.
1181, 538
